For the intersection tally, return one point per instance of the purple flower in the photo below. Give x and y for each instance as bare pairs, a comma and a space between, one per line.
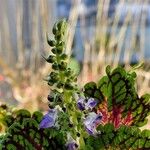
81, 103
85, 104
91, 103
49, 119
91, 122
72, 146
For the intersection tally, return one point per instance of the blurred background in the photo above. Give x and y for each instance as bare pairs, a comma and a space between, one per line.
100, 32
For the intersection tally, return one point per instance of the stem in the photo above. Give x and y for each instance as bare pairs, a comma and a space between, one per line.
73, 111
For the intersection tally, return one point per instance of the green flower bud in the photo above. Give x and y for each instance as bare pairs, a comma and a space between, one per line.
60, 84
54, 76
61, 25
51, 59
54, 50
50, 82
70, 125
72, 77
50, 98
55, 29
61, 44
75, 79
68, 80
59, 98
51, 42
68, 86
78, 134
51, 106
55, 66
58, 37
64, 109
62, 66
68, 72
59, 50
63, 56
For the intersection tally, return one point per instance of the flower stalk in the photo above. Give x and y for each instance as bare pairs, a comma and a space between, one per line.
62, 81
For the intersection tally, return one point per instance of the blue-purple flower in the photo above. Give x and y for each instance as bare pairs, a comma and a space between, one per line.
71, 144
91, 122
81, 103
85, 104
49, 119
91, 103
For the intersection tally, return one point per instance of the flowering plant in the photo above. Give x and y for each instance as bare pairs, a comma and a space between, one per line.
104, 115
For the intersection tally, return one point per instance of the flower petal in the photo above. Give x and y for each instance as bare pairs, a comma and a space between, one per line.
49, 119
91, 103
91, 122
47, 122
72, 146
81, 103
89, 130
98, 119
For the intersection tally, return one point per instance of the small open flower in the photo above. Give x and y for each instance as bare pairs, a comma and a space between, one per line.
81, 103
49, 119
85, 104
91, 122
91, 103
71, 144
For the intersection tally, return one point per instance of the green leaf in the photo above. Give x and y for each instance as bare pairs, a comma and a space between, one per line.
28, 136
102, 85
11, 147
122, 138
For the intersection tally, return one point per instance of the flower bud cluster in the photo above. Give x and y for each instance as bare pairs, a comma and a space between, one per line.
62, 76
62, 81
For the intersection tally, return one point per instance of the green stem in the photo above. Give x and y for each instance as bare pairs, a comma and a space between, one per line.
73, 111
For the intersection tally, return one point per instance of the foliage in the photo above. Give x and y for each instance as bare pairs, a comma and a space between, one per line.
117, 91
105, 115
23, 133
123, 138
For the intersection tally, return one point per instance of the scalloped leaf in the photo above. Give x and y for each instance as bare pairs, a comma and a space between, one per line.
140, 110
25, 134
122, 138
122, 104
91, 90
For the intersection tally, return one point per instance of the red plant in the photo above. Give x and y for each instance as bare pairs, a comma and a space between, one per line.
115, 116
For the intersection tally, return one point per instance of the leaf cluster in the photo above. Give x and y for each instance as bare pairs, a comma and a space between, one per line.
24, 133
124, 138
118, 88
